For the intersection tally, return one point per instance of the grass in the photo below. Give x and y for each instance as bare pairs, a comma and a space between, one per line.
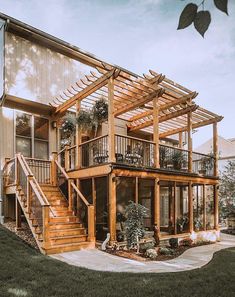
25, 272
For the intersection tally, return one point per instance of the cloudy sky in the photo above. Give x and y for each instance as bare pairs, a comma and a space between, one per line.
141, 35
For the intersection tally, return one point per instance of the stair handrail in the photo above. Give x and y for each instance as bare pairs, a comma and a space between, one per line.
35, 185
5, 167
30, 180
90, 207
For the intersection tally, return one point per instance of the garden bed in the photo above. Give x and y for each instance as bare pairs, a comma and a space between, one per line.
173, 252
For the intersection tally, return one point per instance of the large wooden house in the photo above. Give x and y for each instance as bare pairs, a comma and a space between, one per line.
72, 196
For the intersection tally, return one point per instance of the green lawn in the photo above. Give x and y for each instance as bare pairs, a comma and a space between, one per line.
25, 272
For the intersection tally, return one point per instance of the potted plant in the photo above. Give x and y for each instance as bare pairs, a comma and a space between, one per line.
178, 159
206, 164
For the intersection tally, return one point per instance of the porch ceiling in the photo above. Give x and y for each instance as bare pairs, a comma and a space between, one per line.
133, 100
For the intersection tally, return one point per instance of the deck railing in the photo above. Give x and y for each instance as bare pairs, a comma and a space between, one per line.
41, 169
8, 172
137, 152
203, 164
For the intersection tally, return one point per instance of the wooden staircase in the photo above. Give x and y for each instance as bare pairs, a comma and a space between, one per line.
49, 214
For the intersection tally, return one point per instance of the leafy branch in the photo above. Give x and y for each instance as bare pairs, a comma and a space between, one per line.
200, 18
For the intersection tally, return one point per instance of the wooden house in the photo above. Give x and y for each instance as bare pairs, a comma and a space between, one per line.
72, 196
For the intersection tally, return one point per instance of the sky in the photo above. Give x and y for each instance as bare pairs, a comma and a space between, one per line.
140, 35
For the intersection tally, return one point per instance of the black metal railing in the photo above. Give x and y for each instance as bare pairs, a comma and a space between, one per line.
94, 152
41, 169
203, 164
133, 151
172, 158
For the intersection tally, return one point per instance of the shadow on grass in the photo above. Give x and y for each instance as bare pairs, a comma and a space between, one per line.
25, 272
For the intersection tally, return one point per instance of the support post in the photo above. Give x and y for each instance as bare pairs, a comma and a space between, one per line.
18, 214
111, 136
204, 205
216, 203
190, 206
94, 198
66, 158
45, 214
78, 138
181, 140
112, 208
53, 169
70, 194
156, 131
215, 148
157, 205
29, 193
190, 144
91, 223
175, 209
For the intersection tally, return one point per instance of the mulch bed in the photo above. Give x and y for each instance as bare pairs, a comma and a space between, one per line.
24, 233
230, 232
131, 254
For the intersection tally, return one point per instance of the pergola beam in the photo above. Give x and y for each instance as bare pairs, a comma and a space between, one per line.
162, 107
139, 101
99, 83
164, 118
194, 126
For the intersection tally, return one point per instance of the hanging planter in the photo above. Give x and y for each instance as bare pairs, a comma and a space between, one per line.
68, 125
85, 120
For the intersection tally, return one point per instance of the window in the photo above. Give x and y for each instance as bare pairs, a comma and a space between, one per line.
32, 136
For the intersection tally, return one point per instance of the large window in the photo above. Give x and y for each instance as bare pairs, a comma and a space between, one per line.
32, 135
198, 208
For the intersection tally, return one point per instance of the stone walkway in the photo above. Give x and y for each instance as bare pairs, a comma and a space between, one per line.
191, 259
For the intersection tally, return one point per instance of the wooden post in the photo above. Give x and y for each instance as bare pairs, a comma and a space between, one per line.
190, 146
70, 195
6, 178
78, 138
94, 198
157, 204
111, 136
29, 193
156, 131
16, 170
181, 140
204, 206
91, 223
54, 169
175, 209
190, 206
66, 158
216, 203
45, 214
112, 208
215, 148
136, 190
18, 214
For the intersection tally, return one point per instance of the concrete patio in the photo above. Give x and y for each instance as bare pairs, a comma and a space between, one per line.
191, 259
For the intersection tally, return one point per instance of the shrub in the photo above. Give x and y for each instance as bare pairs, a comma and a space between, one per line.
151, 254
165, 251
186, 242
144, 246
174, 243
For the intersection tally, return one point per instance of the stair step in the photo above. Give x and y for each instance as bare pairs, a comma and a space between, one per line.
68, 239
58, 226
61, 248
67, 232
64, 219
62, 213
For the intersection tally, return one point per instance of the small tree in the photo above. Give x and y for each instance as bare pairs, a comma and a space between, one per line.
227, 190
134, 224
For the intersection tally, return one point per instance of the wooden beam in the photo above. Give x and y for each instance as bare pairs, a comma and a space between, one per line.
112, 207
190, 143
181, 140
216, 206
215, 148
204, 205
78, 138
139, 102
156, 131
99, 83
111, 127
194, 126
162, 107
190, 206
164, 118
157, 204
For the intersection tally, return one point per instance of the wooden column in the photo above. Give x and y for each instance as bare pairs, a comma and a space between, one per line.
45, 225
111, 136
66, 158
204, 205
54, 169
190, 206
175, 209
180, 139
156, 131
215, 148
157, 204
78, 138
190, 143
94, 196
216, 202
18, 214
112, 208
